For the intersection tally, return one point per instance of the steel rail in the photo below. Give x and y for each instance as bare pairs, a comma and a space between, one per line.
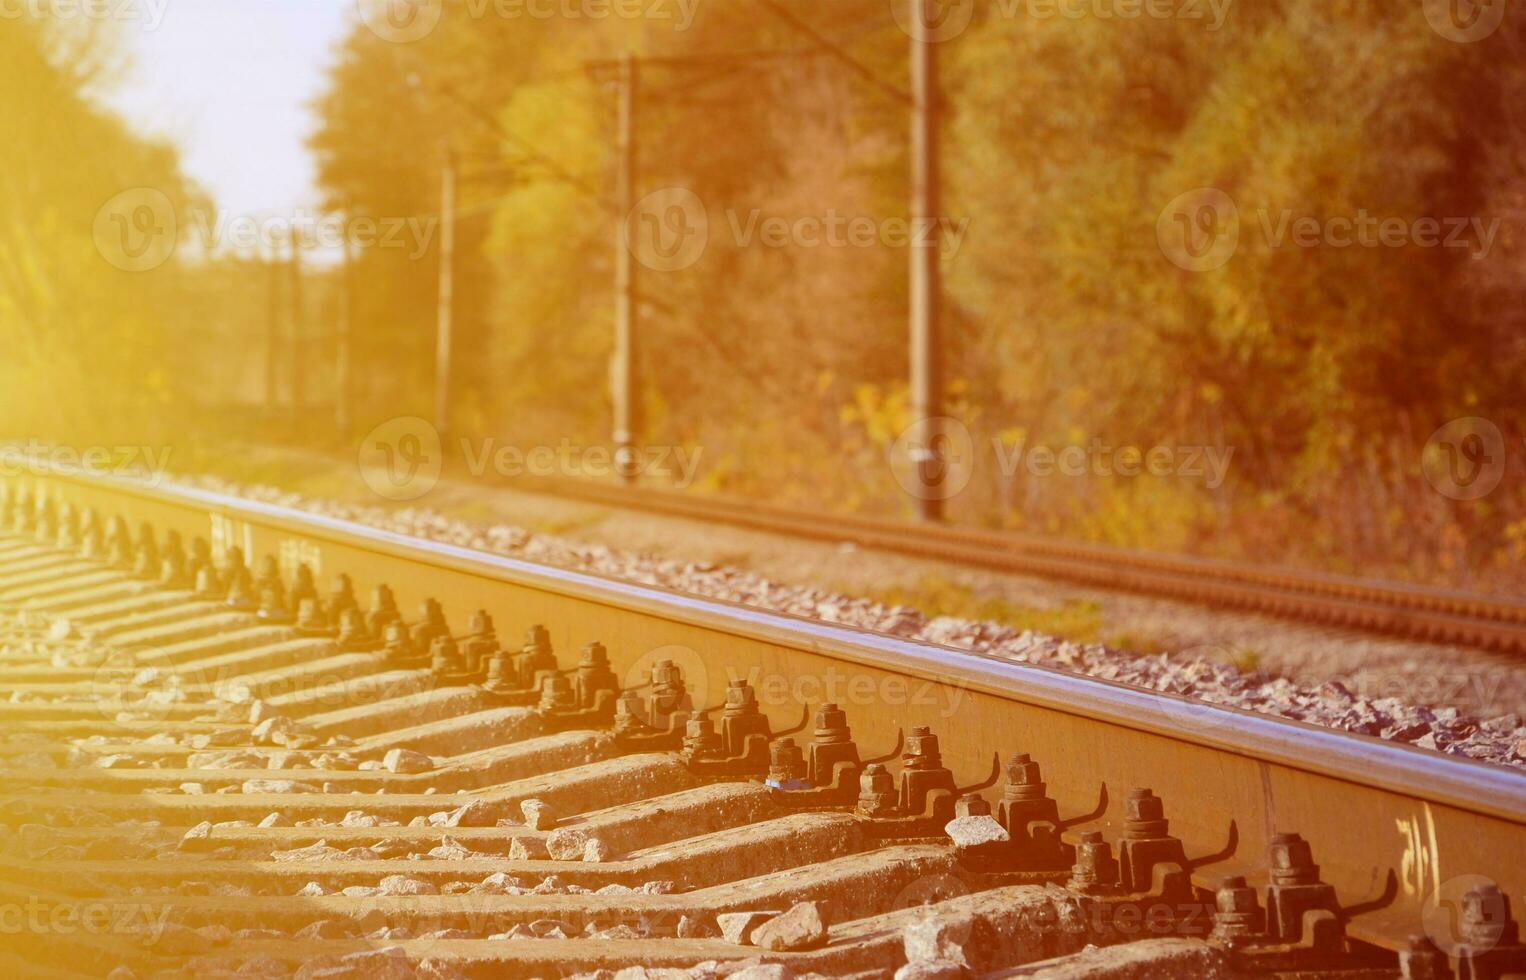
1226, 775
1398, 609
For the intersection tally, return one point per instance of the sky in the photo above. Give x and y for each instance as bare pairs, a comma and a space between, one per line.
229, 81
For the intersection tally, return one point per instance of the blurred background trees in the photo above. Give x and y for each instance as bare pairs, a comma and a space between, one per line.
1323, 369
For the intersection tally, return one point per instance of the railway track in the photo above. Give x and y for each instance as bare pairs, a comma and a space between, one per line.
218, 764
1411, 612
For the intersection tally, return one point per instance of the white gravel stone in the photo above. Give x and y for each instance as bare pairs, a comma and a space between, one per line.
737, 927
974, 831
538, 815
931, 940
404, 885
802, 927
567, 844
407, 761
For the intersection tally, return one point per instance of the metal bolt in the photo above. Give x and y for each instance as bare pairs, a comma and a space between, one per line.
1292, 861
1095, 869
740, 698
444, 657
46, 521
556, 694
786, 764
233, 559
701, 740
1485, 917
1238, 920
480, 624
383, 611
65, 536
353, 635
310, 617
341, 598
922, 750
972, 805
877, 794
273, 604
303, 588
209, 585
241, 591
397, 643
172, 572
270, 573
537, 640
832, 725
1025, 777
1144, 816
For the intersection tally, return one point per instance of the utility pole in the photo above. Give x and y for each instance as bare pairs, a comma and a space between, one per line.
926, 275
444, 313
298, 388
273, 318
342, 352
624, 374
